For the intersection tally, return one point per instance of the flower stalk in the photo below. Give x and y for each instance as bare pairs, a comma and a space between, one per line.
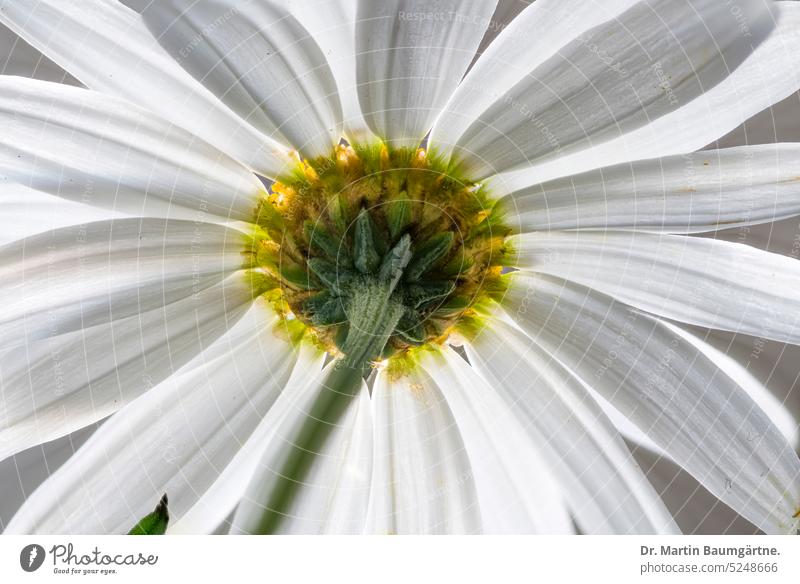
373, 312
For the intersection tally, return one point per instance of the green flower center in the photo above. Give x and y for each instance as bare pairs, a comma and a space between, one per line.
374, 253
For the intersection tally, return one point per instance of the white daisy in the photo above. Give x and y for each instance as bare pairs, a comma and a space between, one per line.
541, 231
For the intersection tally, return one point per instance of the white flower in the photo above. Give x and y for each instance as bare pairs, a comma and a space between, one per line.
185, 304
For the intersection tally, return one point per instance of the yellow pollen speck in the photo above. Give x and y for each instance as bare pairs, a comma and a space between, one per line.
309, 172
417, 389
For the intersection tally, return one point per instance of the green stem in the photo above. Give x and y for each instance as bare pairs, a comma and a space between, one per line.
373, 315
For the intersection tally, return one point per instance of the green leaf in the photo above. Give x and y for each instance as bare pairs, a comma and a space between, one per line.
154, 523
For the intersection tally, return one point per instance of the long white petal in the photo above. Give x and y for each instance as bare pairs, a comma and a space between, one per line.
260, 62
517, 492
410, 57
333, 495
109, 48
25, 211
332, 24
175, 439
422, 480
627, 429
52, 387
77, 277
717, 284
774, 365
769, 74
688, 193
99, 150
221, 498
605, 488
612, 79
21, 474
696, 511
738, 369
671, 391
19, 58
515, 53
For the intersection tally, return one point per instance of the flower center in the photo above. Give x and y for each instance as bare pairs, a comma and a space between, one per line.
375, 252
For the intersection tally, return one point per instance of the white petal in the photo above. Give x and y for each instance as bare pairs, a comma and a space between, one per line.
22, 473
99, 150
260, 62
25, 212
607, 491
775, 236
516, 490
515, 53
765, 77
221, 498
671, 391
410, 57
422, 480
738, 370
175, 439
108, 47
334, 491
332, 24
614, 78
701, 281
627, 429
740, 357
774, 365
661, 281
696, 511
19, 58
52, 387
504, 14
686, 193
77, 277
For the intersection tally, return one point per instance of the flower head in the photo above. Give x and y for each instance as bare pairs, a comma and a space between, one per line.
348, 277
